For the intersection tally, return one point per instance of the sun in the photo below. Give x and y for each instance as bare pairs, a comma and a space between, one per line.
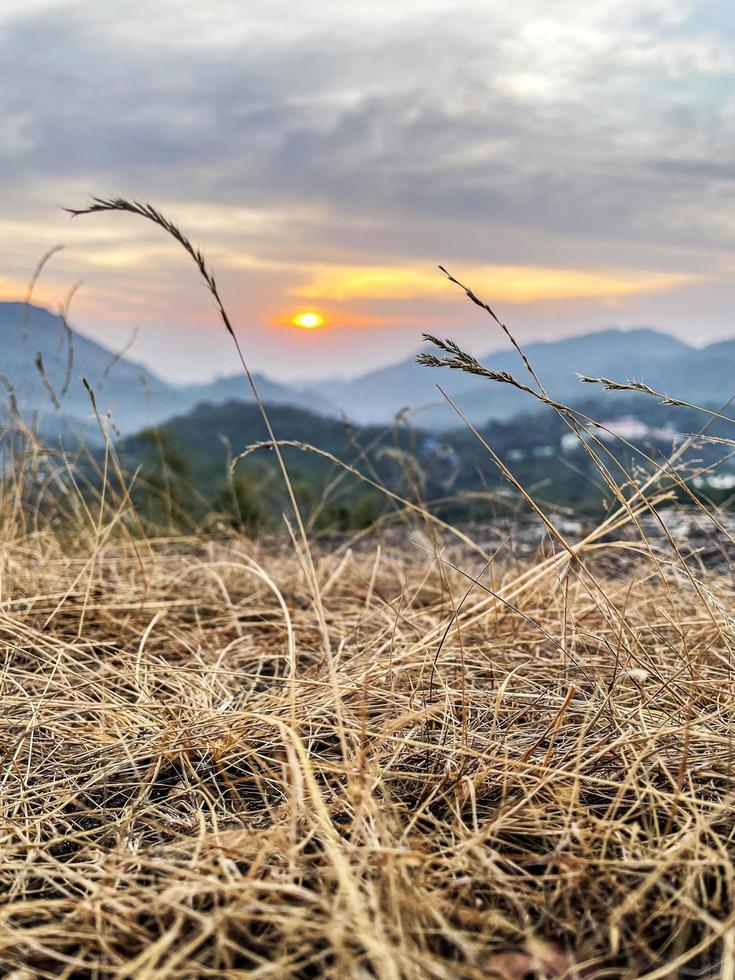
308, 320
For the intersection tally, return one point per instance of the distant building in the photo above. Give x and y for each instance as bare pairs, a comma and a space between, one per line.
628, 428
721, 481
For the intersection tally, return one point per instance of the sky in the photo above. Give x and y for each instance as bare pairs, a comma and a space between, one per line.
572, 162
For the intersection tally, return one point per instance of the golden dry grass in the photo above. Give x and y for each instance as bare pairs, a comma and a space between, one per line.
197, 782
224, 758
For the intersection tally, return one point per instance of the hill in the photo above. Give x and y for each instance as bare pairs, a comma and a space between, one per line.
133, 395
643, 353
136, 397
188, 457
123, 387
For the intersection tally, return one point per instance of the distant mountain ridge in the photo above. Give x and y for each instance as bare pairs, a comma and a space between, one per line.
643, 353
136, 397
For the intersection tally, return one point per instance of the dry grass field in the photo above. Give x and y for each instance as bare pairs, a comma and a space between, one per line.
220, 759
394, 757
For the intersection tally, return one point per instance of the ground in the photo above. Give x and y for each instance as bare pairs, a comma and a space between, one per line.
226, 757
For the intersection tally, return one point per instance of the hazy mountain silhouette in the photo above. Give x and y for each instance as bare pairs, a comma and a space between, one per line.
136, 397
643, 354
235, 387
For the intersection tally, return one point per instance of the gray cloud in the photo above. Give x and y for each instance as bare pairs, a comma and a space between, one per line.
425, 128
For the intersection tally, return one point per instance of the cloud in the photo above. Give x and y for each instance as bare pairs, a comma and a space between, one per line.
508, 284
570, 142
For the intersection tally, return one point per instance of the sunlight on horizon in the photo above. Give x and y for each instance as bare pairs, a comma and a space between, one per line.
308, 320
511, 284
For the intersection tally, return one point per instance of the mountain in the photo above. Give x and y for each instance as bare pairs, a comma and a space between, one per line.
134, 396
123, 387
236, 388
137, 398
643, 354
189, 458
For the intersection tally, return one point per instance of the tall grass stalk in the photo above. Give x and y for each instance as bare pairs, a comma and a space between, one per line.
150, 213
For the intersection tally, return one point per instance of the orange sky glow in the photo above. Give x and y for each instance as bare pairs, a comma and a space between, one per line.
341, 301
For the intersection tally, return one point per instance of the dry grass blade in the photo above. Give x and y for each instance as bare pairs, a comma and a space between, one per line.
474, 298
644, 389
150, 213
120, 353
38, 361
460, 360
64, 309
609, 385
35, 276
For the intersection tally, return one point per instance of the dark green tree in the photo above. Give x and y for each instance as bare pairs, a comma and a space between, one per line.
240, 503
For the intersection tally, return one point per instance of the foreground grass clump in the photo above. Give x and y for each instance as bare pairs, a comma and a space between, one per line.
204, 776
381, 758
